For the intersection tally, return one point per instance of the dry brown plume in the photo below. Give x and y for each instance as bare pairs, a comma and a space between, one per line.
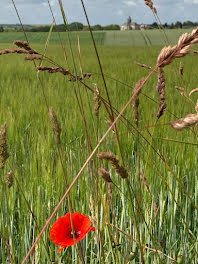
121, 170
183, 48
33, 57
161, 91
9, 179
55, 125
189, 120
4, 155
149, 3
138, 87
18, 51
193, 91
97, 100
105, 174
143, 65
24, 45
109, 157
136, 92
53, 70
80, 78
64, 72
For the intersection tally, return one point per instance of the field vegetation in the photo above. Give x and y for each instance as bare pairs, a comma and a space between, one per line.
150, 216
106, 38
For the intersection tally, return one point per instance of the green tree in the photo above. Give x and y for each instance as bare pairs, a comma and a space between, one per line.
154, 25
112, 27
97, 27
178, 24
188, 24
75, 26
1, 29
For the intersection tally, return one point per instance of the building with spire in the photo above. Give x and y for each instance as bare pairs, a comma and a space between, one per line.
129, 25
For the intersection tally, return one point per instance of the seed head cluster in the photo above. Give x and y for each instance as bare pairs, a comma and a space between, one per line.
149, 3
4, 155
55, 125
9, 179
121, 170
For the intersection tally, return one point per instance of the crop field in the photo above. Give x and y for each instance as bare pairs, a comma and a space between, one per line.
106, 38
151, 215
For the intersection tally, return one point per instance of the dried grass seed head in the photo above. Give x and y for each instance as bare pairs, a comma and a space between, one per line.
193, 91
138, 87
22, 44
161, 91
4, 155
122, 172
97, 100
53, 70
55, 125
189, 120
149, 3
9, 179
9, 51
105, 174
33, 57
109, 157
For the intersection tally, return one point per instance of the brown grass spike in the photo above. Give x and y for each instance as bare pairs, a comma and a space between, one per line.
55, 125
24, 45
149, 3
9, 179
121, 170
18, 51
33, 57
105, 174
161, 90
97, 100
4, 155
189, 120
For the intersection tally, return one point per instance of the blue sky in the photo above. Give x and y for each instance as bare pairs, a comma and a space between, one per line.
99, 11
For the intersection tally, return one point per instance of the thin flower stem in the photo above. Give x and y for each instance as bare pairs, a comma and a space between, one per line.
104, 81
145, 246
8, 248
82, 169
136, 222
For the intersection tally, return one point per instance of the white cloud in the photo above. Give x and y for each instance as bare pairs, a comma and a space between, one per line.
130, 3
103, 12
52, 3
120, 12
190, 1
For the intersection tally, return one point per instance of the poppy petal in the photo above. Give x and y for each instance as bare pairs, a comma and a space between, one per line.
61, 231
60, 249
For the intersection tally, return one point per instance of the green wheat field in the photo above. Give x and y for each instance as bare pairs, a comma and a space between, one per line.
153, 215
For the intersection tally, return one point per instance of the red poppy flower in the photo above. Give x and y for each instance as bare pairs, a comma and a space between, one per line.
61, 231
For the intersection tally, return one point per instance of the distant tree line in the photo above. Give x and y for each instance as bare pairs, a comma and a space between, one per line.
178, 24
77, 26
